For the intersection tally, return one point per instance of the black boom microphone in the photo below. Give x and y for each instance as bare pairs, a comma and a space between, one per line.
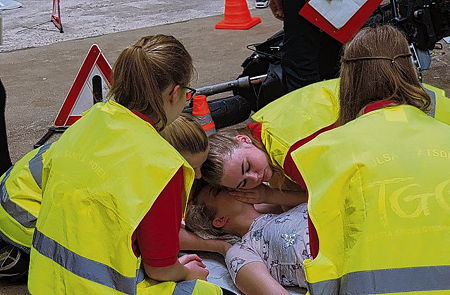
229, 110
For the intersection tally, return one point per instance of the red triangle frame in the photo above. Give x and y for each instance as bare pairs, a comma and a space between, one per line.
94, 58
56, 16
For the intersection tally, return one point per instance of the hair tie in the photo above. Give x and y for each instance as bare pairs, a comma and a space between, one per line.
400, 55
392, 59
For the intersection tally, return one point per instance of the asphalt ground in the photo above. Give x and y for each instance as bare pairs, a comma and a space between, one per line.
37, 79
30, 26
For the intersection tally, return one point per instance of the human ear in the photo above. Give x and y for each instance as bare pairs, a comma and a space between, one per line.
174, 95
220, 222
243, 139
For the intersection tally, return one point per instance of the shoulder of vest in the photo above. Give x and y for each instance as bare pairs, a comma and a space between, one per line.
328, 90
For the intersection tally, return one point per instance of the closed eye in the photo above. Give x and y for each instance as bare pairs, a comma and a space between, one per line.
243, 183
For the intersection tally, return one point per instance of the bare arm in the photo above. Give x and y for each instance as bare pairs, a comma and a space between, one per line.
254, 278
287, 198
190, 241
187, 267
265, 194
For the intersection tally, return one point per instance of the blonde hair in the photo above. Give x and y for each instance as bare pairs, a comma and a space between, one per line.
199, 215
376, 65
144, 70
222, 145
186, 135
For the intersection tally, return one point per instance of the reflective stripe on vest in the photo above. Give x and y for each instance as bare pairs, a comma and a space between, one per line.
84, 267
35, 164
432, 111
98, 268
387, 281
19, 214
358, 230
140, 275
184, 288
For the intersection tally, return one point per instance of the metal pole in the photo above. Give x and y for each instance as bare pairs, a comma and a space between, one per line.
395, 10
230, 85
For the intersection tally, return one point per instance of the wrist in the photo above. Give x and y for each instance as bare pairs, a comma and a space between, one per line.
268, 195
186, 273
224, 246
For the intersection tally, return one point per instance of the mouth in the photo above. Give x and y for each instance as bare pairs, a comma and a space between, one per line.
265, 177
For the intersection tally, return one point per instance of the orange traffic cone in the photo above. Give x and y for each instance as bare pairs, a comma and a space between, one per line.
200, 110
237, 16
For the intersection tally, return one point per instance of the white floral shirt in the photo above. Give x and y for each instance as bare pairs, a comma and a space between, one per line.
281, 242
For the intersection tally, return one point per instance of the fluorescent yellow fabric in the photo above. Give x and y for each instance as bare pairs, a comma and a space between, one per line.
441, 103
197, 287
305, 111
297, 115
21, 201
379, 198
103, 176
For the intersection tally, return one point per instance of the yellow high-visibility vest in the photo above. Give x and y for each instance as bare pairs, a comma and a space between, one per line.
379, 198
21, 197
194, 287
296, 116
305, 111
102, 177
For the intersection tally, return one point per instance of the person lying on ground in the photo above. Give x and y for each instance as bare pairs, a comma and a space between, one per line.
273, 246
187, 136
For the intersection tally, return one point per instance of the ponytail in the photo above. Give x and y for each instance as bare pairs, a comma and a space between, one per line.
144, 70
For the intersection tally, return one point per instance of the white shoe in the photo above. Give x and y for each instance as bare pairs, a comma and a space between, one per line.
262, 3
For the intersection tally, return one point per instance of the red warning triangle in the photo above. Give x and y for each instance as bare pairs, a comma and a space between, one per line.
56, 16
90, 86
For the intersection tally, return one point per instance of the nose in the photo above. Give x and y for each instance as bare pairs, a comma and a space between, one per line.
198, 173
253, 177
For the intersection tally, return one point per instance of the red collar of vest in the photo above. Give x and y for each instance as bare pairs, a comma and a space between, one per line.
143, 117
377, 105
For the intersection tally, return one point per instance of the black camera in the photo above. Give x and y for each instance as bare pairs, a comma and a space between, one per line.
424, 22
